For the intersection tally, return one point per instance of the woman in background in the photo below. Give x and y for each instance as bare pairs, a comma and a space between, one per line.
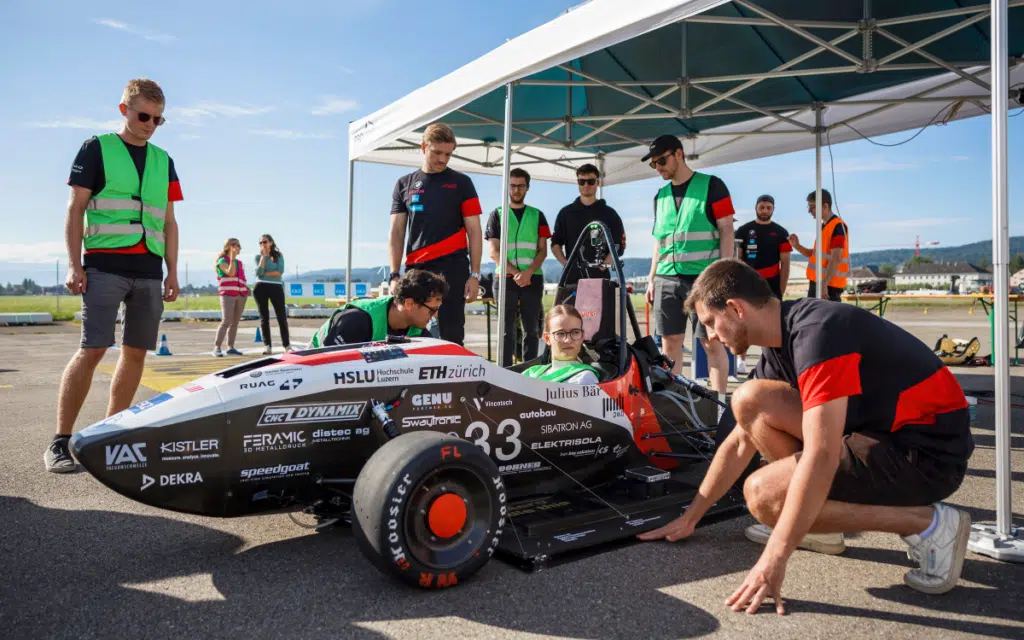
233, 295
270, 288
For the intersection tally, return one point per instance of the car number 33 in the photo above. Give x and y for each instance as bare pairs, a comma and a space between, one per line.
480, 432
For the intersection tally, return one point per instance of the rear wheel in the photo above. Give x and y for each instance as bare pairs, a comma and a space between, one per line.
428, 508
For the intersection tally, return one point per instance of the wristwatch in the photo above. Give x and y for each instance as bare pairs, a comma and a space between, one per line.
394, 275
474, 275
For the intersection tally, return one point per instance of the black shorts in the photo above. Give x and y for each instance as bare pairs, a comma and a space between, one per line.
669, 297
831, 293
876, 469
775, 284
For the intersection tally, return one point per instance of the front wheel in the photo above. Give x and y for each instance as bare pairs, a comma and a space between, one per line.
429, 509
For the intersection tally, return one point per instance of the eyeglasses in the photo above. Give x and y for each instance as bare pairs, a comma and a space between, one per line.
562, 336
518, 186
144, 117
433, 310
589, 181
660, 162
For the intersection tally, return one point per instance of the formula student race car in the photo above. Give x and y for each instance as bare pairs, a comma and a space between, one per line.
436, 457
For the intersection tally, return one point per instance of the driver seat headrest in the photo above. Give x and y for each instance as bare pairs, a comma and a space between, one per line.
595, 300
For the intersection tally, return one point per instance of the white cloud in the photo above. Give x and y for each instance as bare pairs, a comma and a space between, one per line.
148, 34
206, 109
333, 105
288, 134
77, 123
345, 69
34, 253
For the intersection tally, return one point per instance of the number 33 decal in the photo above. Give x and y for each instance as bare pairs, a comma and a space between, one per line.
508, 427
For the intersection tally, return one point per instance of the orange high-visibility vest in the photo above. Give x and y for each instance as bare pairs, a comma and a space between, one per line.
843, 268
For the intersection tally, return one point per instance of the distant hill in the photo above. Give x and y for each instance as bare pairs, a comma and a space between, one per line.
634, 267
972, 253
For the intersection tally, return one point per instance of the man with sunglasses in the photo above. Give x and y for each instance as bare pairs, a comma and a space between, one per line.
417, 299
573, 219
123, 190
693, 227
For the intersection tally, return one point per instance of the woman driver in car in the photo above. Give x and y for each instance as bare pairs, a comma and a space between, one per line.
563, 331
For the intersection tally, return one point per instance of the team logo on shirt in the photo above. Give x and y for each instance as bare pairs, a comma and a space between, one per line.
417, 184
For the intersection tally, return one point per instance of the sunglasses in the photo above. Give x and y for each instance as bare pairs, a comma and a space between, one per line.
588, 181
144, 117
264, 242
660, 162
519, 187
562, 336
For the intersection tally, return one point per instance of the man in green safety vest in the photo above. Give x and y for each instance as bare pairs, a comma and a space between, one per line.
528, 235
693, 227
123, 190
417, 298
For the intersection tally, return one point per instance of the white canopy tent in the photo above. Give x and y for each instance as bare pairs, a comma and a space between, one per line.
599, 82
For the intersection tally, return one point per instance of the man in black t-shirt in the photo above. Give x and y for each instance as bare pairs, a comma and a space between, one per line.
125, 216
764, 245
863, 427
525, 281
574, 218
439, 211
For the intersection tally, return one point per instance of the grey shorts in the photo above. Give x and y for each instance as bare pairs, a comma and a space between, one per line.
143, 306
669, 300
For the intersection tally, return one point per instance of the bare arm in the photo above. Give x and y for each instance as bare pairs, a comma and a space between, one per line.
804, 251
475, 237
396, 240
494, 250
74, 229
784, 273
231, 270
726, 236
811, 481
538, 260
171, 288
833, 264
556, 250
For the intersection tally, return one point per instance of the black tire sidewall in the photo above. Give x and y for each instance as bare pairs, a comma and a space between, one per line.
381, 500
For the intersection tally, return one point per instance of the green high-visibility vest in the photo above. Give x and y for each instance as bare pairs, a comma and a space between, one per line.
378, 310
522, 237
543, 372
687, 240
128, 209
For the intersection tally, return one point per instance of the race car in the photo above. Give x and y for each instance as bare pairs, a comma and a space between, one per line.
436, 457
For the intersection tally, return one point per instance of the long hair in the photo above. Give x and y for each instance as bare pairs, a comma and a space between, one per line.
275, 253
226, 251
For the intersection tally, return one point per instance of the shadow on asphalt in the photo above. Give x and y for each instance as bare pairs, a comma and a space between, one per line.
71, 569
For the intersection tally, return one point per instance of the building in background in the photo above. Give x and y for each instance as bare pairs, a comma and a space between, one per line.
940, 275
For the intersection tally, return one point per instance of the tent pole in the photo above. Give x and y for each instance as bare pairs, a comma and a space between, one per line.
817, 202
351, 196
600, 175
1001, 541
499, 272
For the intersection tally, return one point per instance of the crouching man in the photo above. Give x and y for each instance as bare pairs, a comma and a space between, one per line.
417, 298
863, 428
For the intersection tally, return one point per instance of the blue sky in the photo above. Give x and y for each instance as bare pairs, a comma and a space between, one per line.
260, 94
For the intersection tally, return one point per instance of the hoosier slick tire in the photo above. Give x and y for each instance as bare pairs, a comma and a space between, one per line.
429, 509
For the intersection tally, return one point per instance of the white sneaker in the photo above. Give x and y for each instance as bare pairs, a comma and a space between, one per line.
828, 543
741, 368
940, 555
217, 353
267, 351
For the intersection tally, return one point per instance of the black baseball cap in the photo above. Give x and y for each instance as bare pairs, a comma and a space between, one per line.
765, 198
661, 145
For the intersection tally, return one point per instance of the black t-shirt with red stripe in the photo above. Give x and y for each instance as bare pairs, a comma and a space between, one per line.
763, 246
893, 381
436, 204
129, 262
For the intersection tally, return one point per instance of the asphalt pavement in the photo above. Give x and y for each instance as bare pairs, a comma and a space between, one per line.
79, 561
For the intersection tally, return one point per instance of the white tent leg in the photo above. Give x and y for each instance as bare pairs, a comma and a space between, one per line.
499, 272
1002, 541
351, 194
600, 175
821, 289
